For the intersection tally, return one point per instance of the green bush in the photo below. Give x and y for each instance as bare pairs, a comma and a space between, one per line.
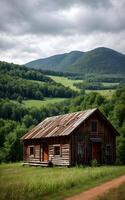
94, 163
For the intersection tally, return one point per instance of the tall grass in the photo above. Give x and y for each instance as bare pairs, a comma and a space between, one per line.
17, 182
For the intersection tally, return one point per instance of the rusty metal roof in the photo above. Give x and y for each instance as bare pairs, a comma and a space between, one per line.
58, 125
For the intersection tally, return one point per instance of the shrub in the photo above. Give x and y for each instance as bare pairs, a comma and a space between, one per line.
94, 163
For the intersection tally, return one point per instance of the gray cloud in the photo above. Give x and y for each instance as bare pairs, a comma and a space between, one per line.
47, 17
33, 26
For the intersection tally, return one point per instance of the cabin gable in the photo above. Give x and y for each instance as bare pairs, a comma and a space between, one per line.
98, 142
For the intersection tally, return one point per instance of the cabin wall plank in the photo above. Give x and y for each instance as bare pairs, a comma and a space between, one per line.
63, 158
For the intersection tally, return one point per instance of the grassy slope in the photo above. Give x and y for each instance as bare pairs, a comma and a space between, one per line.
106, 93
40, 103
69, 83
34, 81
66, 82
19, 182
110, 84
115, 194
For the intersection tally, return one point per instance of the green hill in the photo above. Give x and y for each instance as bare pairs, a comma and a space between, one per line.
21, 82
100, 60
57, 62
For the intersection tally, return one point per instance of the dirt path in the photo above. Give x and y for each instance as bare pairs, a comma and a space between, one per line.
95, 192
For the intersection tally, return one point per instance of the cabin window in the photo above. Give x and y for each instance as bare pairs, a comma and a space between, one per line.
31, 151
94, 126
57, 150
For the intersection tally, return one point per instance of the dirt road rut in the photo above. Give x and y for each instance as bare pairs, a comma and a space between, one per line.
98, 191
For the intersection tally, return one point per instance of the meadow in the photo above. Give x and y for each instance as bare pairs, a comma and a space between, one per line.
18, 182
66, 82
106, 93
110, 84
69, 83
40, 103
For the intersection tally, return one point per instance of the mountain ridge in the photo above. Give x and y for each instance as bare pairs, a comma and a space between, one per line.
100, 60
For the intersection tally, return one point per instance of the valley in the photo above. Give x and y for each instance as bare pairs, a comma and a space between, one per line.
27, 96
67, 82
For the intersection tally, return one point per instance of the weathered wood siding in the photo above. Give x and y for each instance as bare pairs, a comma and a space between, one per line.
64, 157
81, 142
36, 156
79, 146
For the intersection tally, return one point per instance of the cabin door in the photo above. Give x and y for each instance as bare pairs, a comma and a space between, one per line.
96, 152
45, 152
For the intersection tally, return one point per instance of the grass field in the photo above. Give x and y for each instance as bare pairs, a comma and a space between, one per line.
69, 83
115, 194
34, 81
110, 84
106, 93
18, 182
41, 103
66, 82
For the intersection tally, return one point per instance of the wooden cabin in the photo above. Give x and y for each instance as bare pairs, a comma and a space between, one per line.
71, 139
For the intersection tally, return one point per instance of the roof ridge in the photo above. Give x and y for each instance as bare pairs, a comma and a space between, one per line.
92, 109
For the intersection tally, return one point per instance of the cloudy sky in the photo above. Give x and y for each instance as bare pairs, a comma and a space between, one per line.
31, 29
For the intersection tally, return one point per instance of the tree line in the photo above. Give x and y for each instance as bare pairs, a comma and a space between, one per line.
22, 72
13, 87
93, 86
19, 82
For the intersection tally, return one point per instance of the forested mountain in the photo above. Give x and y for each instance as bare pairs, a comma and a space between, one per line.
20, 82
100, 60
15, 70
57, 62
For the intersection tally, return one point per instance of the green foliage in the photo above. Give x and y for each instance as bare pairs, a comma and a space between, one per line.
14, 70
19, 99
15, 87
13, 111
93, 86
18, 82
94, 163
11, 149
6, 126
28, 121
120, 150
